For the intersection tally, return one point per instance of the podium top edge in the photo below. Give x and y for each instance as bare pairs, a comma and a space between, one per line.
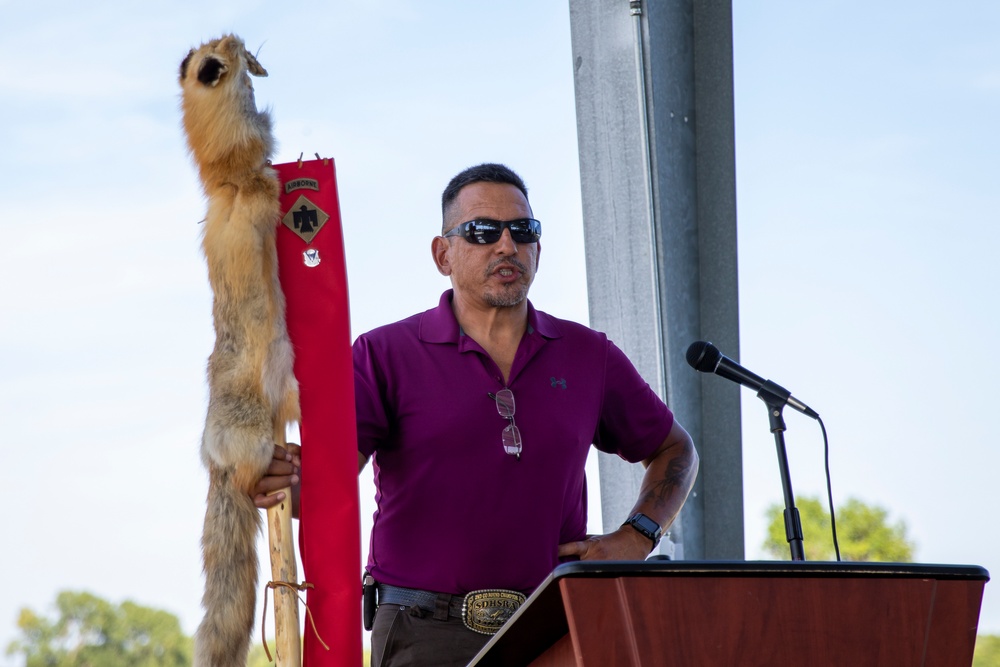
824, 569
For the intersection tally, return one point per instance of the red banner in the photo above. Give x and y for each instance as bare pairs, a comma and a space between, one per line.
313, 277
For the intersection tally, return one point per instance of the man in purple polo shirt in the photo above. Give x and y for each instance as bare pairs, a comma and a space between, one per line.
478, 416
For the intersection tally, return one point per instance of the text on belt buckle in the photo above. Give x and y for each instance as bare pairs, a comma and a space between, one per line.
487, 610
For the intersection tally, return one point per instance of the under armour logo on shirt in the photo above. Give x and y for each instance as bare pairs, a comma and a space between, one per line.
561, 382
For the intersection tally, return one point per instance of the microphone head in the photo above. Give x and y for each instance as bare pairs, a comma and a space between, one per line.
703, 356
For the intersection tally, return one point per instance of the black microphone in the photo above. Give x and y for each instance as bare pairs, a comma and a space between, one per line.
706, 358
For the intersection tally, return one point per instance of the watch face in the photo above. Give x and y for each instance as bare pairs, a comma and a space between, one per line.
646, 526
647, 523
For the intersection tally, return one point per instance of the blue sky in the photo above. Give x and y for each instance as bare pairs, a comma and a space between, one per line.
866, 167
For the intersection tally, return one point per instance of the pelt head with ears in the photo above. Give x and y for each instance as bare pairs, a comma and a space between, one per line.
226, 133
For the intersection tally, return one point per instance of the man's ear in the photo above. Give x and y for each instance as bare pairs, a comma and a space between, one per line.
538, 253
439, 250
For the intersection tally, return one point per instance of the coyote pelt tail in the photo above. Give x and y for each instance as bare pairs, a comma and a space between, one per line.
252, 392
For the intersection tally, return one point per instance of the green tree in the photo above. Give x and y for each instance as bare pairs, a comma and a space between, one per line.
91, 632
863, 531
987, 651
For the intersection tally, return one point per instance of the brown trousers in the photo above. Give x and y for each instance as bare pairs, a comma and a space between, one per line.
413, 637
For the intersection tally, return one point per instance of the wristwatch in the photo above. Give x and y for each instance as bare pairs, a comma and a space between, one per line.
646, 526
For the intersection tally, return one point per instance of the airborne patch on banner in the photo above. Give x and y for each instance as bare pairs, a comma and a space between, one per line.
305, 219
302, 183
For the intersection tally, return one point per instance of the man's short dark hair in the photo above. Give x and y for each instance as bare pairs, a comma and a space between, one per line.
482, 173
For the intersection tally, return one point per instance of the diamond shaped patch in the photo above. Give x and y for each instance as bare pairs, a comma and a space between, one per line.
305, 218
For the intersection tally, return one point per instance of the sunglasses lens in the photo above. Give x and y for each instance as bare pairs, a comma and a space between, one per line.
522, 232
512, 440
483, 231
505, 403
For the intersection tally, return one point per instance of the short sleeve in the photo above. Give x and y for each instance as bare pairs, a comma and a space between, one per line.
373, 422
634, 421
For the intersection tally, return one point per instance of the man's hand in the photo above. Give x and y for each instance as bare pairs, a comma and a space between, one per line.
283, 472
626, 543
669, 476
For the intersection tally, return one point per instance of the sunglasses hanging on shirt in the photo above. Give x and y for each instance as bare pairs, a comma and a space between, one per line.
511, 435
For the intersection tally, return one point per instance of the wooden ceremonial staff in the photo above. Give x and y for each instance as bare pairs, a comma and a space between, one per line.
284, 576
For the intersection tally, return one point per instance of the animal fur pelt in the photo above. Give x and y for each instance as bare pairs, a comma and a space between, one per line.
252, 392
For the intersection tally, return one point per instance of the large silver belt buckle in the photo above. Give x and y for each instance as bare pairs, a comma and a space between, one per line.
487, 610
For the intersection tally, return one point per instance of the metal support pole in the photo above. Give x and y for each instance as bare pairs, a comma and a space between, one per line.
657, 165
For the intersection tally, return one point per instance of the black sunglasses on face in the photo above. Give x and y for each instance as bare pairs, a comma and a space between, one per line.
523, 230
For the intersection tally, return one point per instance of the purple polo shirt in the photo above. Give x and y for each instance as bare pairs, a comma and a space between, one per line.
455, 512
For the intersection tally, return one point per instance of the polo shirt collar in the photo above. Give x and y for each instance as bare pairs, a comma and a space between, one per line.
438, 325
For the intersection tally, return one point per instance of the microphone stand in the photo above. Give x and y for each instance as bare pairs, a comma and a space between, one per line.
776, 397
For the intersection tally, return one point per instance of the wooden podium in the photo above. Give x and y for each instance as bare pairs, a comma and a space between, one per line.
659, 613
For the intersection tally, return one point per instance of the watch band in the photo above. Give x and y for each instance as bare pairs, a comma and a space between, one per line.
646, 526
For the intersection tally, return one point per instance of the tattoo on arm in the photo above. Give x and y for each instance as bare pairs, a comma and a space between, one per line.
678, 471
